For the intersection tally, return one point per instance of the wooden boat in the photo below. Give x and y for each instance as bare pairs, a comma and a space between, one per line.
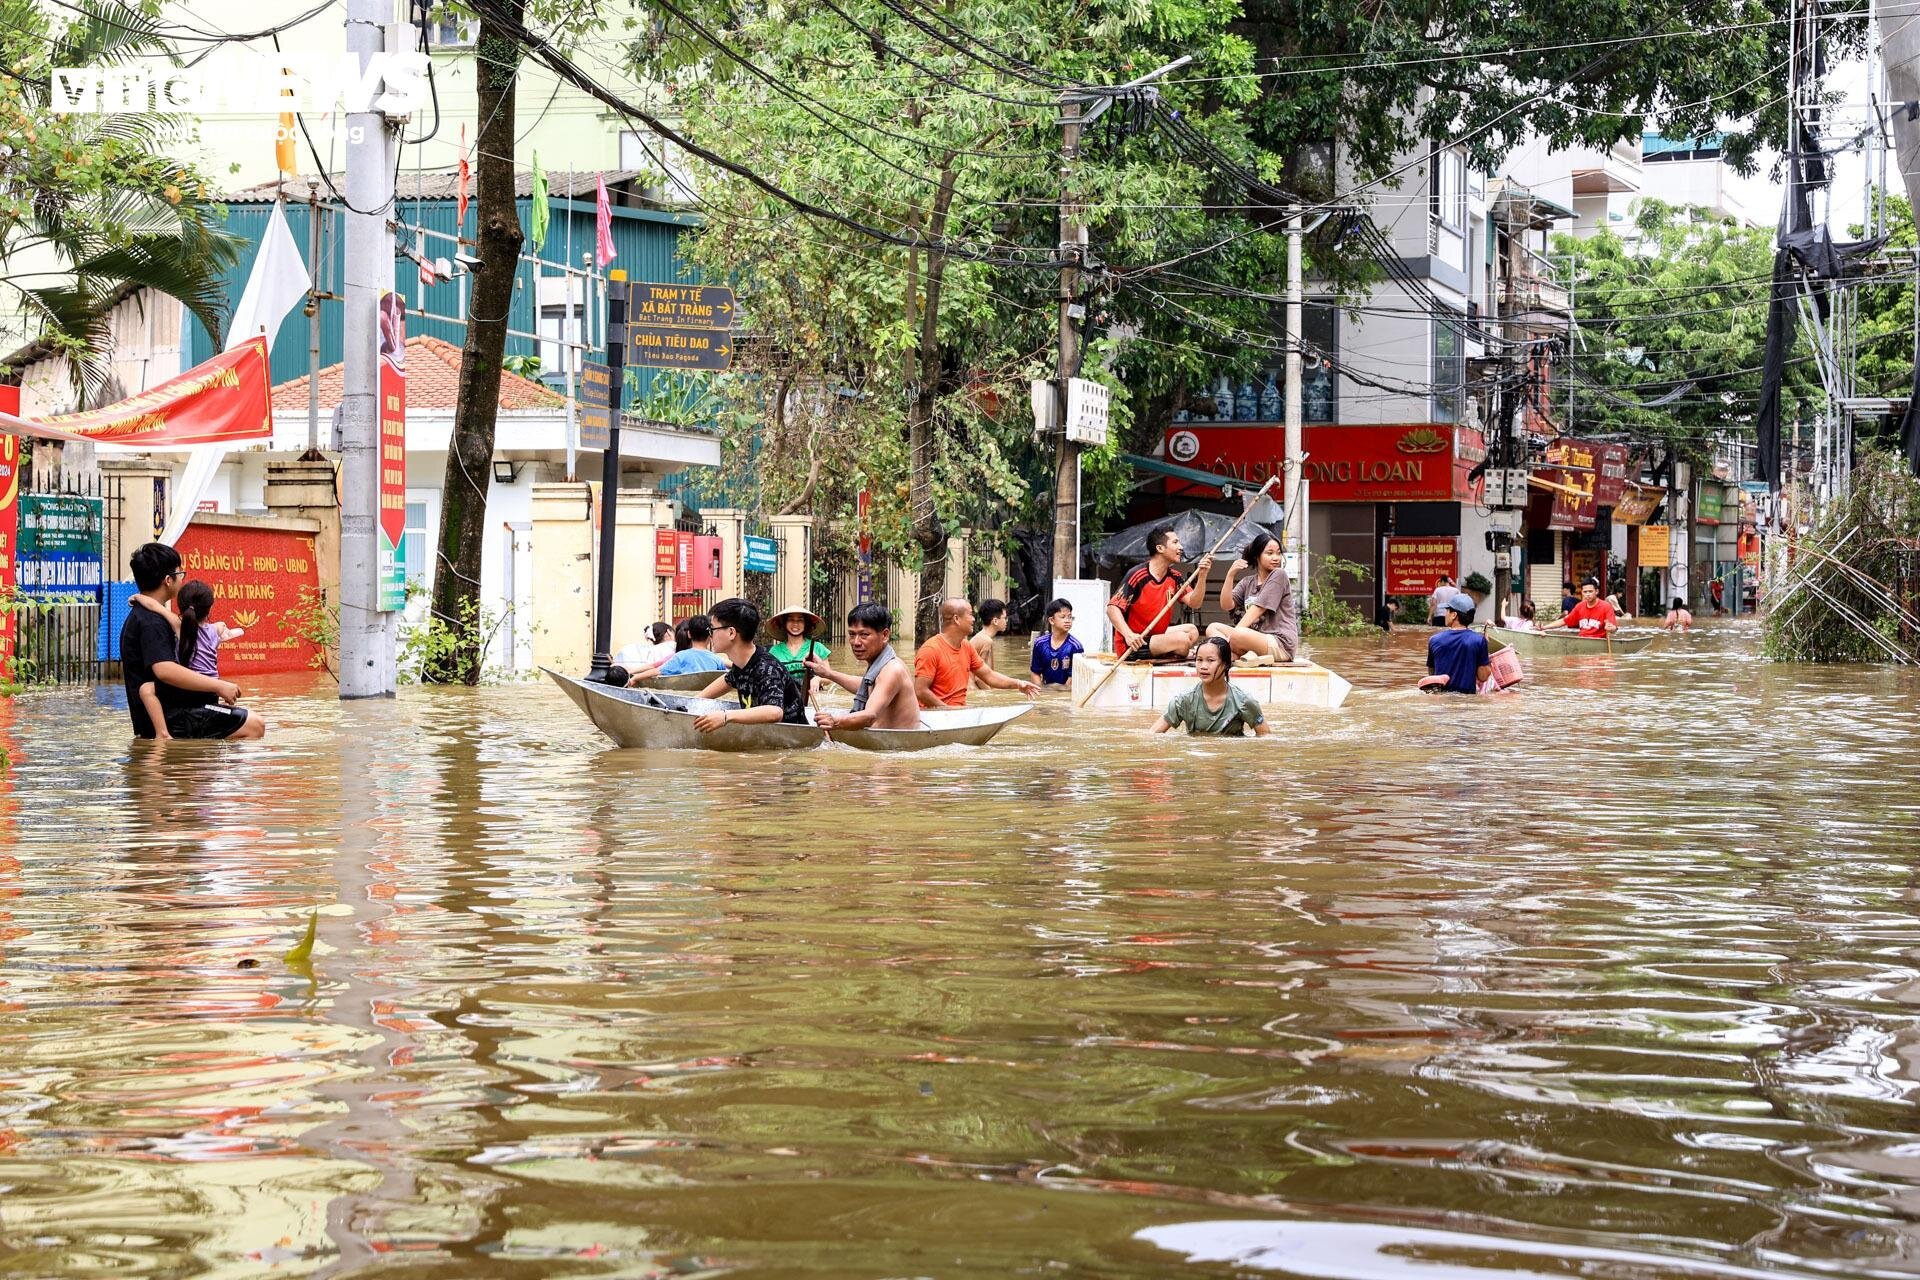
1546, 644
1147, 686
664, 721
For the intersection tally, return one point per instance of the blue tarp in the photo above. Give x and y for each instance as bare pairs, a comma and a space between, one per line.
113, 616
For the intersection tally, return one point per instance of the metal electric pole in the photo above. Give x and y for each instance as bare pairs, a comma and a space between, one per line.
1294, 486
367, 659
610, 471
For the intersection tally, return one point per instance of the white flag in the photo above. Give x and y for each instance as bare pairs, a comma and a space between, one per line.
277, 284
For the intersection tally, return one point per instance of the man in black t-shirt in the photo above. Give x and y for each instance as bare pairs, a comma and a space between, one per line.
768, 695
195, 706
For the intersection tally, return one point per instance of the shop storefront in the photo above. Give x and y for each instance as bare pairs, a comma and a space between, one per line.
1365, 484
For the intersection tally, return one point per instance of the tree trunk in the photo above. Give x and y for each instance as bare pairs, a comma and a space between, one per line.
463, 513
928, 529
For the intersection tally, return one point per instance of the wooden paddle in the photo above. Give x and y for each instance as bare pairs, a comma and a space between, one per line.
1167, 608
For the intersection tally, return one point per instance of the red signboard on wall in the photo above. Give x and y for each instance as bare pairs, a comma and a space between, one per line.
1570, 475
666, 553
1417, 462
1610, 474
1414, 565
256, 576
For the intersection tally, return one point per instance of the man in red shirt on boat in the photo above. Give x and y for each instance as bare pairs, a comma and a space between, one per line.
1593, 617
1143, 598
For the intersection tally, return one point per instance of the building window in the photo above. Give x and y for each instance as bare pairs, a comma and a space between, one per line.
1319, 388
559, 326
446, 30
413, 546
1449, 371
1450, 190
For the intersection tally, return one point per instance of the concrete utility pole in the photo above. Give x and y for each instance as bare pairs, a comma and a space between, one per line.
1294, 486
313, 318
1073, 246
610, 471
366, 634
1076, 112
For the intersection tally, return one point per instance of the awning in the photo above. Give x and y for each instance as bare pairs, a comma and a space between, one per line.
1192, 475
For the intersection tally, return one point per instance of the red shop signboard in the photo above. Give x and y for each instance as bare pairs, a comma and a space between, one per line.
1417, 462
1570, 501
666, 552
1414, 565
256, 576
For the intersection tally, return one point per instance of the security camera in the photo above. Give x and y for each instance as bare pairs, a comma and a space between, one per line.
467, 262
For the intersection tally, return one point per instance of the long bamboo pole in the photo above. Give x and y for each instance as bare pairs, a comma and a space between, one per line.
1173, 599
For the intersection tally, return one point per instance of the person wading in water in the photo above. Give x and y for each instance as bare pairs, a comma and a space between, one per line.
1214, 706
884, 697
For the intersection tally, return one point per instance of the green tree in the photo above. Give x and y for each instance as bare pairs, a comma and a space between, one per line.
902, 366
94, 205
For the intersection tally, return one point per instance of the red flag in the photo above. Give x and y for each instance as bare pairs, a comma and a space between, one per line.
603, 224
461, 188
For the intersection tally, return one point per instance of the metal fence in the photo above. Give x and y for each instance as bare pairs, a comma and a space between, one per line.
58, 641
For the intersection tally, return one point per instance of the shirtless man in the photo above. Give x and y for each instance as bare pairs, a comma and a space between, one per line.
884, 698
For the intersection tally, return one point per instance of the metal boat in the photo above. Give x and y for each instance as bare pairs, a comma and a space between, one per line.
1544, 644
664, 721
685, 682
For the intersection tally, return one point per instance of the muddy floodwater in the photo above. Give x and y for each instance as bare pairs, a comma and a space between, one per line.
1617, 978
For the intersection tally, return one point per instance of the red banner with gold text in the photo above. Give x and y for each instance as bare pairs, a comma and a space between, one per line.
256, 575
223, 401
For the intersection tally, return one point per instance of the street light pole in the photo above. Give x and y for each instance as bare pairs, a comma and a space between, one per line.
610, 471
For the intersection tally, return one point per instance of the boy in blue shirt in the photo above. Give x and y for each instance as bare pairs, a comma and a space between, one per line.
1457, 657
1053, 650
697, 656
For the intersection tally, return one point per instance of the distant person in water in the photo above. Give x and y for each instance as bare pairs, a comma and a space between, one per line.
944, 666
1458, 659
992, 619
883, 697
1214, 706
1679, 618
1054, 649
192, 704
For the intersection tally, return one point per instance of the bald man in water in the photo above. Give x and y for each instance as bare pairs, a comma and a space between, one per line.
946, 662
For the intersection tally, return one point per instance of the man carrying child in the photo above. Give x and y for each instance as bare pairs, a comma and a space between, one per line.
192, 705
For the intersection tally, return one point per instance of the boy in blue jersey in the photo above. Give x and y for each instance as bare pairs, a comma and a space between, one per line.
1053, 650
1457, 657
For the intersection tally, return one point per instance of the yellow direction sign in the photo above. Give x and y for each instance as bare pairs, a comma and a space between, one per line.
655, 346
681, 306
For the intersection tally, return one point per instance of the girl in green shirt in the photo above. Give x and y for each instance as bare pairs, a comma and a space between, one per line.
795, 626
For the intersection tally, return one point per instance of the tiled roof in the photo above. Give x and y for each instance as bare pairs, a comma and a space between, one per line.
433, 382
441, 186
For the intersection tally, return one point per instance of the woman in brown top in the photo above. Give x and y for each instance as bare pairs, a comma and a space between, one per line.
1269, 626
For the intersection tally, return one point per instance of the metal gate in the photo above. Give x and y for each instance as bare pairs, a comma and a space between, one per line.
60, 559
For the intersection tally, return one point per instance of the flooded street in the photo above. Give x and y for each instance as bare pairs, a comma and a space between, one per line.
1618, 977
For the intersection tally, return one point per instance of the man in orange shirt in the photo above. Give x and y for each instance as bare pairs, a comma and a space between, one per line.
946, 662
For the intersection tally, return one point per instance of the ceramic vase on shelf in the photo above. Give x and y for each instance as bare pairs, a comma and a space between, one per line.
1223, 399
1270, 407
1246, 407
